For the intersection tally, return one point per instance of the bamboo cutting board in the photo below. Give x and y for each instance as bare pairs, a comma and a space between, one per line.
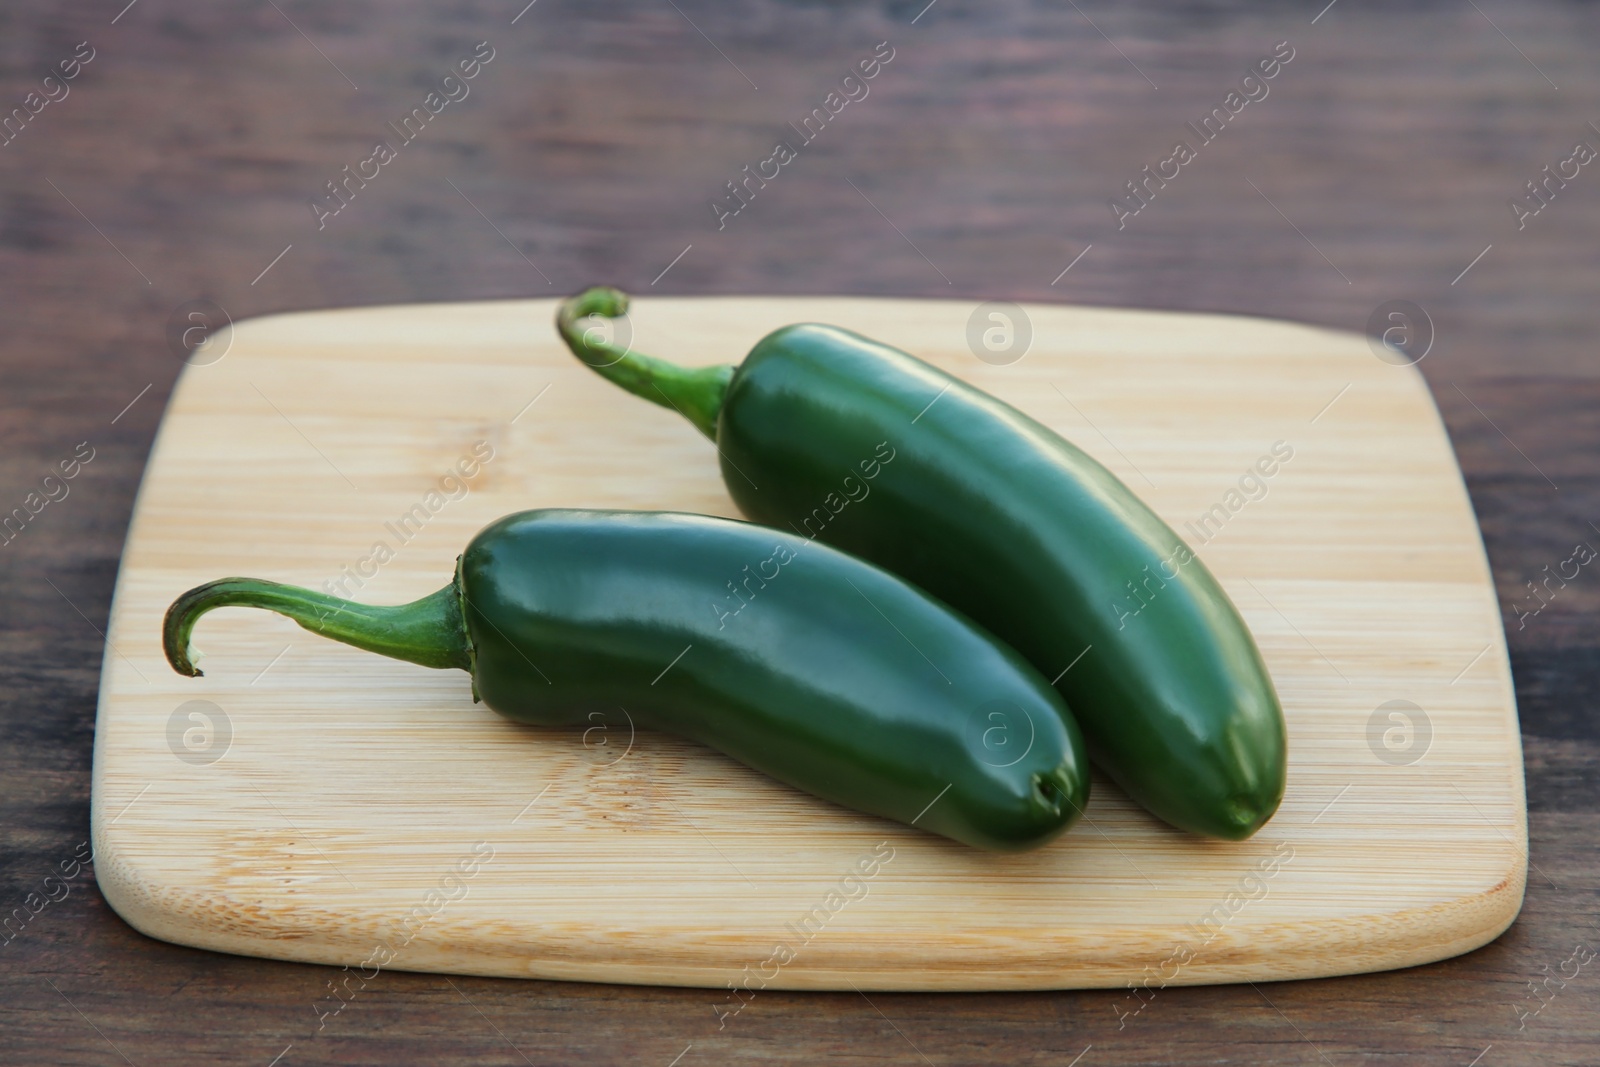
309, 801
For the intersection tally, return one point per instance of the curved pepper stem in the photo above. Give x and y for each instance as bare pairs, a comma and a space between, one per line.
694, 392
429, 631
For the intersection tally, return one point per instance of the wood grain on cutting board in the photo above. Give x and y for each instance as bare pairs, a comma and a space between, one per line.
333, 806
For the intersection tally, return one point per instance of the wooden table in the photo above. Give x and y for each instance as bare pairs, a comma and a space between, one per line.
181, 164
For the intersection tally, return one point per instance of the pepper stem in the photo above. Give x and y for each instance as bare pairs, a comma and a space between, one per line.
429, 631
694, 392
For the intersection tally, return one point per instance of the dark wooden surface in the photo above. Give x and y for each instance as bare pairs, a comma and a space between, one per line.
181, 164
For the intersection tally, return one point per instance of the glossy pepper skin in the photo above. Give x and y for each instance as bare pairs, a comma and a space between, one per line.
997, 515
793, 658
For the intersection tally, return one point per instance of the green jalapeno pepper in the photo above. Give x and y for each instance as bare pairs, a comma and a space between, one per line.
1001, 518
794, 658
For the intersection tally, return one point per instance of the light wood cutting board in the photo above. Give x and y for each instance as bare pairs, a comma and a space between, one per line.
328, 805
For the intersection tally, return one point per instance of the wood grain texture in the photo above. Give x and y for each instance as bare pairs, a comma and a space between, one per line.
593, 143
330, 791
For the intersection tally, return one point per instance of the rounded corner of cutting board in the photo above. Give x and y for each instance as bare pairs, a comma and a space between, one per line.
1468, 923
159, 905
139, 900
1502, 903
1429, 934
